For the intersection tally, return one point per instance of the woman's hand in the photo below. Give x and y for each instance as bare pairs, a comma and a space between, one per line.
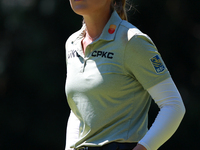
139, 147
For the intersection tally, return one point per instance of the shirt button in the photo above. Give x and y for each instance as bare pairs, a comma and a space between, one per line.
81, 70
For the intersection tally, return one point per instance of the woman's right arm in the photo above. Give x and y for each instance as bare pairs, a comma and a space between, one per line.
72, 131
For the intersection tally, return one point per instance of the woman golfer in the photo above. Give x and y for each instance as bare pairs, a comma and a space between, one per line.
113, 71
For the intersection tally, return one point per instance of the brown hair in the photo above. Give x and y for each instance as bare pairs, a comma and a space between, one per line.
120, 7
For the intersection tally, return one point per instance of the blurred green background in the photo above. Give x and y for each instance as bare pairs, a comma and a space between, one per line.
33, 106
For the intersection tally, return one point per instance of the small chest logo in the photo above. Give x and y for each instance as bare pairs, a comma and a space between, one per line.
112, 28
73, 53
157, 64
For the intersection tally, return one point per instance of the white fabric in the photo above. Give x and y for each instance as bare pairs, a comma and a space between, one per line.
72, 130
167, 97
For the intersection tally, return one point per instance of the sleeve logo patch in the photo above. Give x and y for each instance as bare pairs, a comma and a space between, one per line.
157, 64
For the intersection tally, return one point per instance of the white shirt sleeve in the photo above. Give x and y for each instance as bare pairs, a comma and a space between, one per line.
72, 130
172, 110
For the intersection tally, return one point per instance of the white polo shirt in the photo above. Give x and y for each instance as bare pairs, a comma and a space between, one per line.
106, 87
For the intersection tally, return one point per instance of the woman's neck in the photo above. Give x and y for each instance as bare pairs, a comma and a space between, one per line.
96, 22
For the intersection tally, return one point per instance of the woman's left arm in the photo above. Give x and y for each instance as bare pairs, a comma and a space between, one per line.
172, 110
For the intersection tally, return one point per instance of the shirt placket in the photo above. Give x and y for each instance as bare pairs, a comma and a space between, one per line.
83, 66
86, 57
83, 57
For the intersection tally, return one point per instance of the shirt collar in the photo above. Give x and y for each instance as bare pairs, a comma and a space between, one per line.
111, 27
109, 31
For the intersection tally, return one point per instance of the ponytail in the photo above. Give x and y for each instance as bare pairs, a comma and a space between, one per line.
120, 7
